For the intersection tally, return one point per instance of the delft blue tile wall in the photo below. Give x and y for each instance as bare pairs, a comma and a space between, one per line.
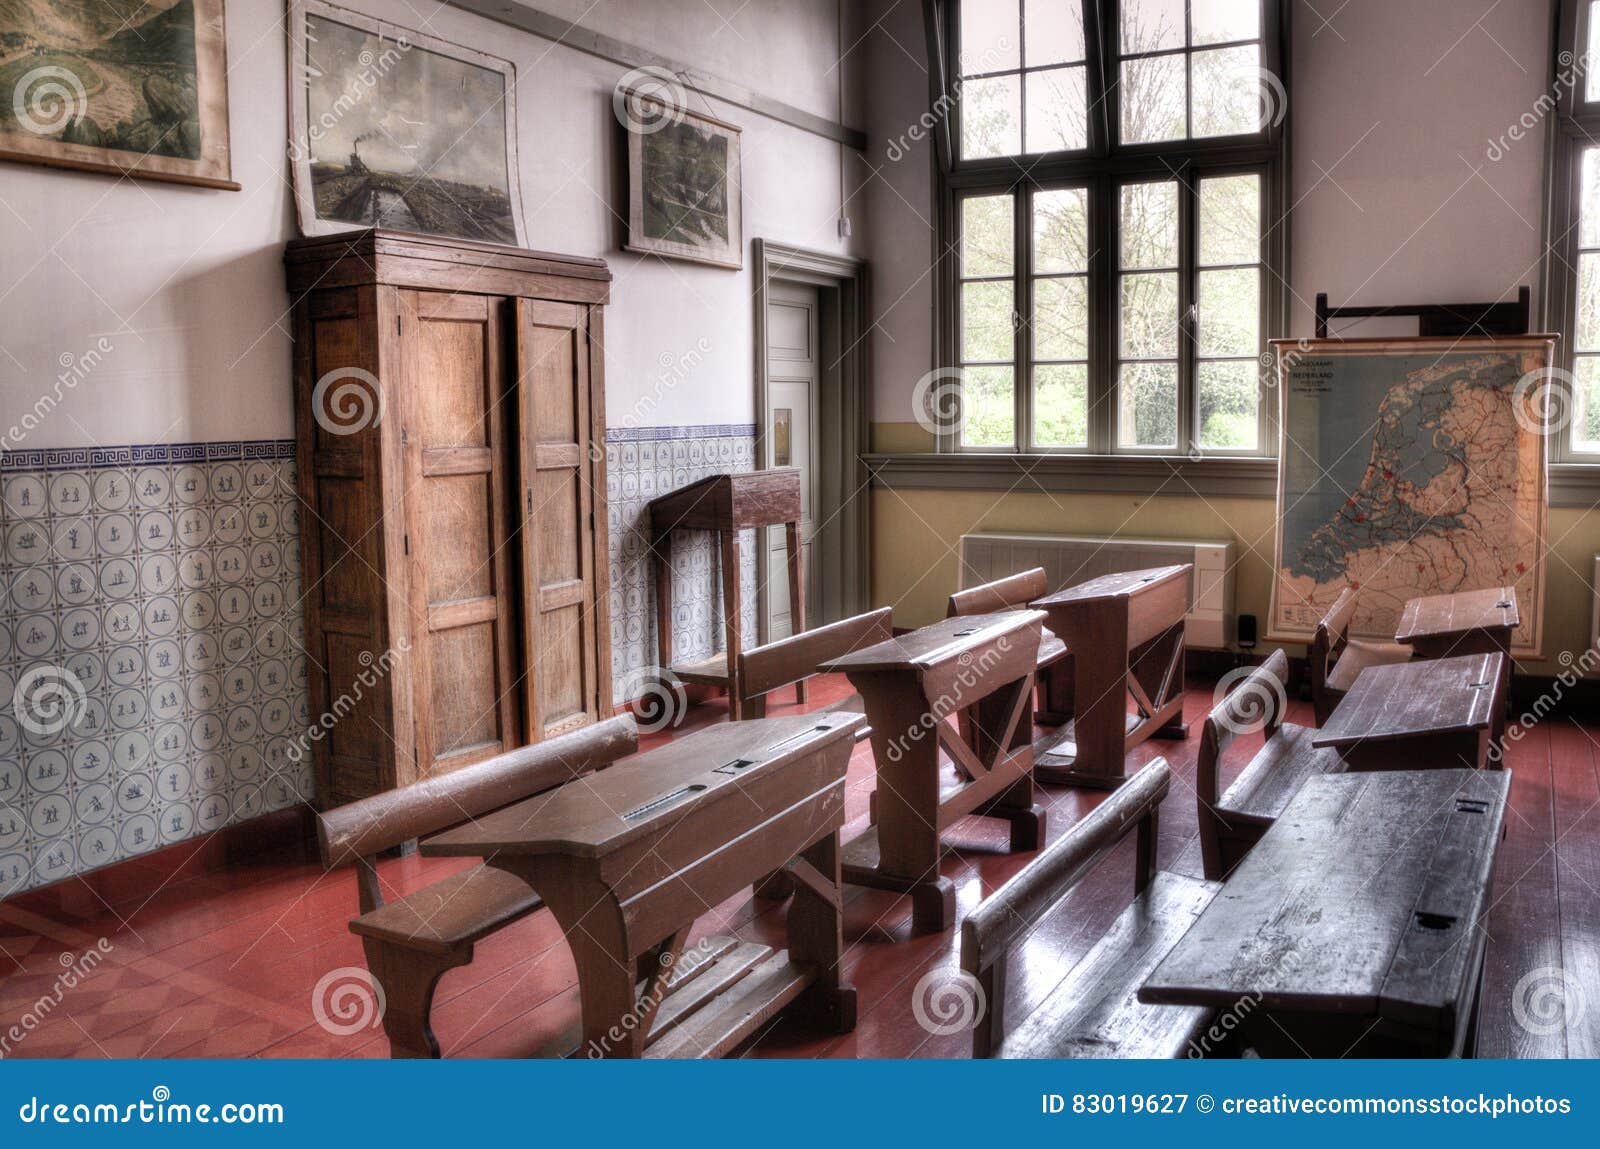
151, 664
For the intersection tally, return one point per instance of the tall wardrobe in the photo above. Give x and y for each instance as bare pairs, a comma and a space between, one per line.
450, 421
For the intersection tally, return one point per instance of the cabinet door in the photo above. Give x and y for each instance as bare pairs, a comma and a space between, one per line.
558, 473
457, 441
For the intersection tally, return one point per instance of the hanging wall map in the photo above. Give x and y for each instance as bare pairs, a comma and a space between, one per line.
1409, 467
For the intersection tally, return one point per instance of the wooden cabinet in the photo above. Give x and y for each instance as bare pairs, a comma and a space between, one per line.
450, 420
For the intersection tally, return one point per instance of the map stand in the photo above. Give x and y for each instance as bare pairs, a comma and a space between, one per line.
1441, 318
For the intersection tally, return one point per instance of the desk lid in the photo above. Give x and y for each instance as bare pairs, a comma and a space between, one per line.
1442, 615
946, 639
1120, 584
1416, 699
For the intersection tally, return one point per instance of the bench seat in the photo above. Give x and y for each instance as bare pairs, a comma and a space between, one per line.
1095, 1012
1358, 655
1272, 777
1052, 648
454, 911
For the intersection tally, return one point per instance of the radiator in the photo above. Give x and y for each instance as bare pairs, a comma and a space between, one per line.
1071, 559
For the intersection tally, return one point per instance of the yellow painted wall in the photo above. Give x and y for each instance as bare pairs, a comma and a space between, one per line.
916, 536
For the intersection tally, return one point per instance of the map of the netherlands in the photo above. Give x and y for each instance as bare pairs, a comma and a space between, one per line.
1404, 471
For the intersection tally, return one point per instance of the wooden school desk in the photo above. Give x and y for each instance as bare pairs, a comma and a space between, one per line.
1418, 715
1468, 622
1353, 926
1125, 632
981, 665
628, 858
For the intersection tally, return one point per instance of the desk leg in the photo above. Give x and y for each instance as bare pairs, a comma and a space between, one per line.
606, 988
1055, 694
732, 617
901, 851
797, 595
1100, 723
989, 720
816, 933
661, 560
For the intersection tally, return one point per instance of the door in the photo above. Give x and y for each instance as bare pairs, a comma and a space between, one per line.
561, 479
456, 441
793, 374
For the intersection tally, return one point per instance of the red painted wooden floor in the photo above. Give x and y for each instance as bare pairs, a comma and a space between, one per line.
223, 963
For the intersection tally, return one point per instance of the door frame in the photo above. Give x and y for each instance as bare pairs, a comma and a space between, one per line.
842, 512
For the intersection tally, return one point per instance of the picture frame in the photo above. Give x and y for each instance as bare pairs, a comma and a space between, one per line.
1377, 439
142, 96
395, 129
684, 183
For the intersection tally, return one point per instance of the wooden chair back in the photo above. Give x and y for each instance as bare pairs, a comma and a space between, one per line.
794, 659
989, 932
1014, 592
359, 831
1256, 703
1333, 633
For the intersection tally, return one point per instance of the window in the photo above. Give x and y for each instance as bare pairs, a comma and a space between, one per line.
1111, 278
1574, 245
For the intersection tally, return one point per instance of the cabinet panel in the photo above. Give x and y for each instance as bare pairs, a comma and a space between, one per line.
558, 469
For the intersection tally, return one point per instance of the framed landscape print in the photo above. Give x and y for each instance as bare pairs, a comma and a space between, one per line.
1409, 467
391, 128
683, 184
135, 89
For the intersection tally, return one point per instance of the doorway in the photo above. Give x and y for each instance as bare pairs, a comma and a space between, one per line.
811, 409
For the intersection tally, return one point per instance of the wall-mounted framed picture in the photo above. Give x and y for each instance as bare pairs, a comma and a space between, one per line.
683, 183
138, 90
390, 128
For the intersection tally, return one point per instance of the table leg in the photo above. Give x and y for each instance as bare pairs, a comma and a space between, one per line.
1100, 723
797, 594
661, 560
606, 989
816, 933
731, 616
989, 719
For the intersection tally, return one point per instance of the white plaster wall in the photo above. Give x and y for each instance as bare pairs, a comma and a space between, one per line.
186, 284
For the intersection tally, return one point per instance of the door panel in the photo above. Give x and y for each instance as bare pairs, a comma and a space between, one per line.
792, 375
557, 475
458, 522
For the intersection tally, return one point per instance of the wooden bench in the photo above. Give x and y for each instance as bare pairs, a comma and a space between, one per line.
790, 661
411, 941
1233, 821
1053, 705
1095, 1011
1337, 659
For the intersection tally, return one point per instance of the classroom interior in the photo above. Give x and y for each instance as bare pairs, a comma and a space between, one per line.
800, 529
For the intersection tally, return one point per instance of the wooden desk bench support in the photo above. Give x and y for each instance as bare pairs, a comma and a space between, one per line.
1232, 822
792, 660
1095, 1011
1126, 632
629, 859
1053, 704
912, 685
410, 942
1337, 660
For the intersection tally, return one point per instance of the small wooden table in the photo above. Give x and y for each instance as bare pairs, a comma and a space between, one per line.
982, 666
628, 858
1419, 715
726, 505
1352, 928
1125, 632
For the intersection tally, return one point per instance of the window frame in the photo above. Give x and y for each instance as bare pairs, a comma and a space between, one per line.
1103, 167
1577, 130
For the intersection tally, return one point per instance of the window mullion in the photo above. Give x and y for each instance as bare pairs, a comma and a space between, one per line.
1188, 306
1022, 318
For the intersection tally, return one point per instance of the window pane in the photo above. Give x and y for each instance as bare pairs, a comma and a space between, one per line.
1058, 119
986, 235
1061, 230
990, 37
1229, 397
1588, 338
1152, 98
1149, 316
1061, 405
1589, 209
1230, 97
988, 407
1230, 312
1147, 405
1061, 318
1054, 31
986, 329
991, 117
1222, 21
1586, 403
1151, 25
1150, 225
1230, 220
